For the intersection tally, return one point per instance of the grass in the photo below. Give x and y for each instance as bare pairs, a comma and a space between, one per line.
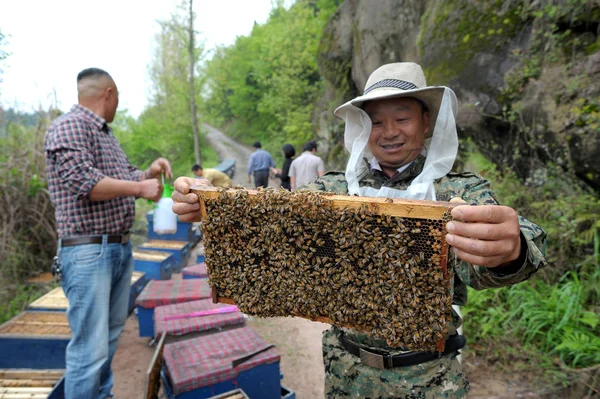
15, 299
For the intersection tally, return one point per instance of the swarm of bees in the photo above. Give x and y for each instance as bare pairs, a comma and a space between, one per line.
280, 253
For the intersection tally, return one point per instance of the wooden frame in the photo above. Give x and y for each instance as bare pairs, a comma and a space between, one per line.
380, 206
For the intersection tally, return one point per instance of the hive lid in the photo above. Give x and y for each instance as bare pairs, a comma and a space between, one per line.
194, 323
154, 256
167, 292
203, 361
198, 270
164, 244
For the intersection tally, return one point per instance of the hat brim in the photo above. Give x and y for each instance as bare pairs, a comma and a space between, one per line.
430, 96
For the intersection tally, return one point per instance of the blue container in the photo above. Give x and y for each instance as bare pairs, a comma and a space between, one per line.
227, 167
155, 265
260, 382
138, 282
184, 231
34, 340
180, 249
200, 258
146, 321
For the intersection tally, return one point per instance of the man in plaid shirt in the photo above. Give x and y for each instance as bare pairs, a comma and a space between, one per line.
93, 188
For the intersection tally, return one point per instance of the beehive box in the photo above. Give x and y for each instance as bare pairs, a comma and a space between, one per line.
195, 271
185, 231
31, 384
203, 367
156, 265
160, 293
179, 249
183, 319
56, 300
373, 264
35, 340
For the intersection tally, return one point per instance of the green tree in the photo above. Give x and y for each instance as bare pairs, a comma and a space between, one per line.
266, 85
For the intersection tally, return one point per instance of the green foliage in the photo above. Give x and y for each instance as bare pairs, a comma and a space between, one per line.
265, 86
27, 228
464, 29
587, 113
16, 299
559, 320
165, 129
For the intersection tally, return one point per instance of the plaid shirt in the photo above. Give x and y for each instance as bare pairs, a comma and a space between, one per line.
80, 151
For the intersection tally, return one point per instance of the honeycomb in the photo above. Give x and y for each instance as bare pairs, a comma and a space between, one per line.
281, 253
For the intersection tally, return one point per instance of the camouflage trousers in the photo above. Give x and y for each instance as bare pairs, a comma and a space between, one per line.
347, 377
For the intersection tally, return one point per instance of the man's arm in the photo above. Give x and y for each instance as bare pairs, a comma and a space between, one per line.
251, 166
292, 175
293, 182
108, 188
321, 168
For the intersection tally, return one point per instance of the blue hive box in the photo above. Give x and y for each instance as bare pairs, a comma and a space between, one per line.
185, 231
199, 368
56, 301
156, 265
34, 340
180, 249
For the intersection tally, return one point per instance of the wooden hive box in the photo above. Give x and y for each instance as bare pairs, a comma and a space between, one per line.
180, 249
376, 265
56, 300
201, 367
31, 384
35, 340
156, 265
160, 293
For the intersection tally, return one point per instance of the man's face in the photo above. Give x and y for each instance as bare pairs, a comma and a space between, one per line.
399, 127
198, 173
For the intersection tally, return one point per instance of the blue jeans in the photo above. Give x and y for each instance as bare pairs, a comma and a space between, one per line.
96, 279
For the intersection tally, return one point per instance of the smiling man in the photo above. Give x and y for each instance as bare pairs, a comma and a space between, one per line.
401, 135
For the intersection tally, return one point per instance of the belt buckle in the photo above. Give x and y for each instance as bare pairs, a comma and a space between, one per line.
375, 360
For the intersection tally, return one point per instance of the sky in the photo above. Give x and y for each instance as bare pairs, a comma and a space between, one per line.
50, 41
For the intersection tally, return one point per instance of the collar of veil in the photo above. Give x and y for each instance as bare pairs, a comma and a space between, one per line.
442, 147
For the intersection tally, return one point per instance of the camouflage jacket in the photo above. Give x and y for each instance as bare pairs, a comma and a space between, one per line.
475, 190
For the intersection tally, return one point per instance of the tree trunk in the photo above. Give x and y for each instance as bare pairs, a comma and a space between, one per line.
192, 94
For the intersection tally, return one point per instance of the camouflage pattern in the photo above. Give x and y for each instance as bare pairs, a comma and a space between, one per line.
345, 375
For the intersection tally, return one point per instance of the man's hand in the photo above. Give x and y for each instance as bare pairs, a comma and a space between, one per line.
160, 165
150, 189
186, 203
484, 235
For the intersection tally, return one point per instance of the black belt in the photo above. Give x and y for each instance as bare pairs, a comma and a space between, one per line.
383, 360
112, 239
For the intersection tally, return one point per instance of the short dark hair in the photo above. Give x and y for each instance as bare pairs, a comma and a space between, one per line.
288, 150
196, 167
257, 144
309, 146
92, 72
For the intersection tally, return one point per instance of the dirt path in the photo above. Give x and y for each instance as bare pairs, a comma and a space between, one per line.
227, 148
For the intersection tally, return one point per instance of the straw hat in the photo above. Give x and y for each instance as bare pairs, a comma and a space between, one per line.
400, 79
